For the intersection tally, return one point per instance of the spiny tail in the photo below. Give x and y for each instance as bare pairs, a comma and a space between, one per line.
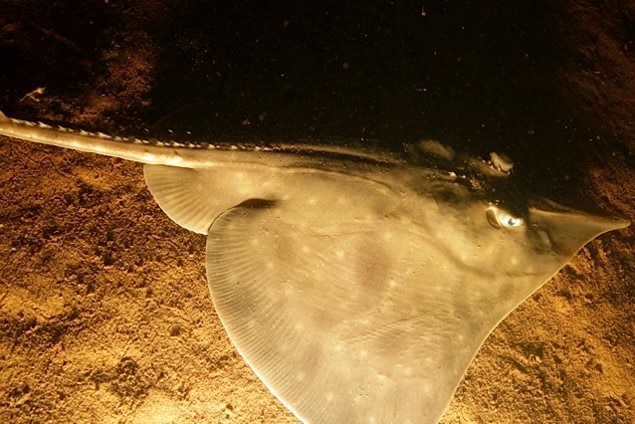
184, 155
153, 152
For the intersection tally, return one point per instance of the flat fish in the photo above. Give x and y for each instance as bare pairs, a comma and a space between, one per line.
357, 285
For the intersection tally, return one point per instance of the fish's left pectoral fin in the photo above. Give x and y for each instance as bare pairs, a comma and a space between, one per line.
332, 315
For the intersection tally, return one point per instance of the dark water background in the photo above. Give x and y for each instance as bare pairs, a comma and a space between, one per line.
479, 76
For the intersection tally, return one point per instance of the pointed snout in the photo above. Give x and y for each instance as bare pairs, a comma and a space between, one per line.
569, 229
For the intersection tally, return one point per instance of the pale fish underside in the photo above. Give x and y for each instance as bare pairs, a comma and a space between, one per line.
357, 286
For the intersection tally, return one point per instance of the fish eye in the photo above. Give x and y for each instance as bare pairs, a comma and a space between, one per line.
510, 221
499, 218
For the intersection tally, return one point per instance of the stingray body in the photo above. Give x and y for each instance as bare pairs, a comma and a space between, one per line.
358, 286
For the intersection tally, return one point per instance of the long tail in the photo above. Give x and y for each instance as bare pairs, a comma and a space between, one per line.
155, 152
138, 150
185, 155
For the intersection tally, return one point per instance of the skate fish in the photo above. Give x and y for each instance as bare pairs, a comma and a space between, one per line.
357, 285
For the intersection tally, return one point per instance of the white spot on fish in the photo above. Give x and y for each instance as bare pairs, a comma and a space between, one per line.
149, 157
